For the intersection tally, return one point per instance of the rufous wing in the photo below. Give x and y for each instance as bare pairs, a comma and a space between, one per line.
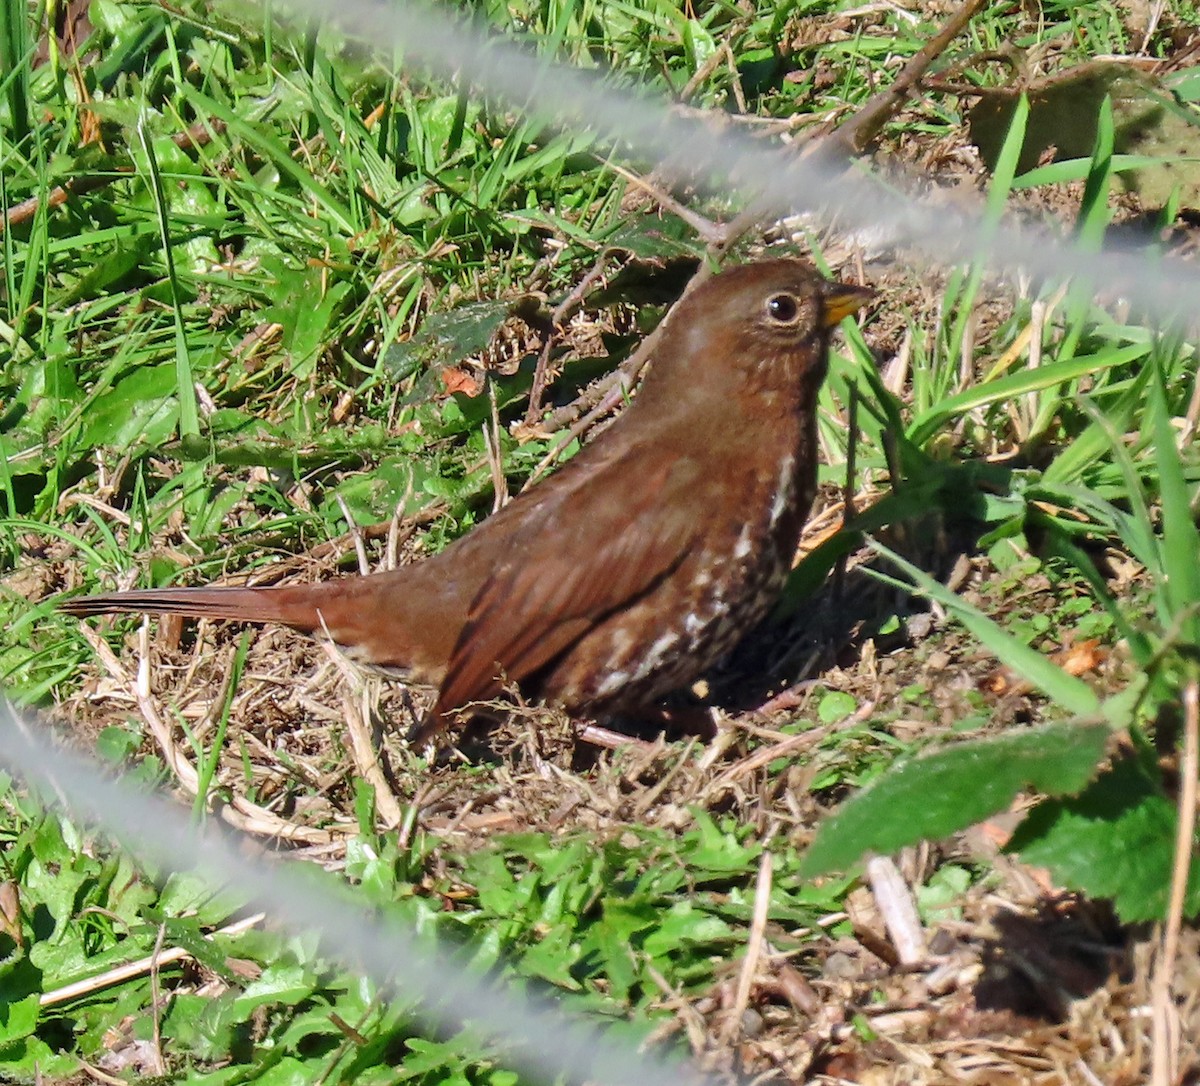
540, 601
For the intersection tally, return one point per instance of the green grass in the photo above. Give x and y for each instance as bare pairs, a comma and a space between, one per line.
205, 361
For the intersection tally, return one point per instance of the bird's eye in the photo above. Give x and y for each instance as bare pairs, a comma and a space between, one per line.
783, 308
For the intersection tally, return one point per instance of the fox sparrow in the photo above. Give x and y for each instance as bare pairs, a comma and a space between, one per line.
636, 565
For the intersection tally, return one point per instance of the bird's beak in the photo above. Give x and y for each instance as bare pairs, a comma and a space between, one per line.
842, 299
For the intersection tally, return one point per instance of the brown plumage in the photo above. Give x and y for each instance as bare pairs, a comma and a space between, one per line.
638, 564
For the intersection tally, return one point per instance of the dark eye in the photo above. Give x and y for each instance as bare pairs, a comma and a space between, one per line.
782, 308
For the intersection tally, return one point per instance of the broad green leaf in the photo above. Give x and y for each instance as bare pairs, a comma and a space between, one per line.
950, 789
18, 1019
835, 705
553, 956
284, 982
446, 338
140, 408
682, 925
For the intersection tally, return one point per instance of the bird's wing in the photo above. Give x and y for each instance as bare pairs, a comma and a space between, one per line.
565, 577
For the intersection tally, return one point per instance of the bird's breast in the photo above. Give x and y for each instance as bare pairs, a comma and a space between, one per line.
720, 589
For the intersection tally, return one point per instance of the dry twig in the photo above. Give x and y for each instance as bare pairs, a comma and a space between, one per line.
139, 968
1164, 1064
754, 946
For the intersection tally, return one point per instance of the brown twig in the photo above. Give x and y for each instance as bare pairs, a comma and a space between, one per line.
156, 1000
356, 713
615, 391
564, 310
754, 946
856, 135
784, 748
707, 229
121, 973
360, 547
608, 739
711, 62
197, 136
493, 451
895, 903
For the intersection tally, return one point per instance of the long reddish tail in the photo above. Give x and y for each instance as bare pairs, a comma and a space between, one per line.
406, 619
291, 606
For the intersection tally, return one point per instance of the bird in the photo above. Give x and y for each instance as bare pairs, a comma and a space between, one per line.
634, 567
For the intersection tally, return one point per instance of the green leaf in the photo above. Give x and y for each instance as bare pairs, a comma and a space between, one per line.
716, 850
682, 925
189, 419
615, 938
118, 745
1076, 169
1180, 573
1093, 210
430, 1057
140, 409
287, 1072
939, 793
655, 238
940, 898
17, 1020
1115, 840
284, 982
1093, 444
552, 957
306, 307
835, 706
446, 338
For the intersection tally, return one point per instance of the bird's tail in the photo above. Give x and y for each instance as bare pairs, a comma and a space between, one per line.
393, 619
290, 605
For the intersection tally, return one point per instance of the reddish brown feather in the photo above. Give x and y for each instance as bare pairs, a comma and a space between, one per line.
285, 605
